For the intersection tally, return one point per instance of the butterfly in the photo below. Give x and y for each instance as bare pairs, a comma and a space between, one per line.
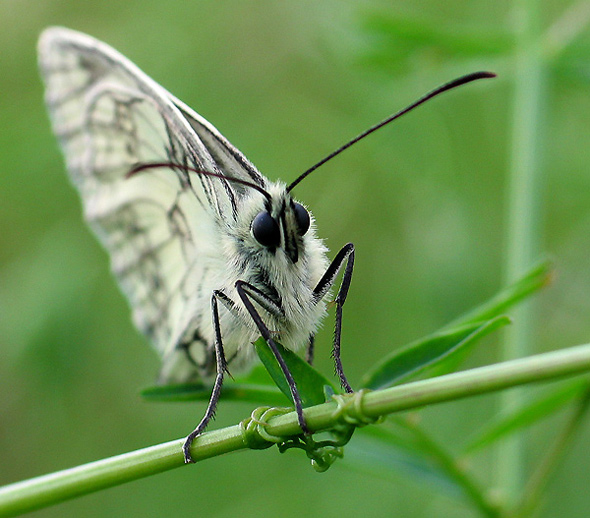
209, 252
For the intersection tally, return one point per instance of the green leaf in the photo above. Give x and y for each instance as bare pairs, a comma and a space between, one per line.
425, 353
527, 415
310, 382
538, 277
259, 394
258, 375
257, 386
447, 348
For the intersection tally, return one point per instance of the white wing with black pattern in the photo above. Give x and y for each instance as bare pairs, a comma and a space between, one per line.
160, 226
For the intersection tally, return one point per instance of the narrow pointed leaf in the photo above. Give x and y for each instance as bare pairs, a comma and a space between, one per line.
535, 279
259, 394
528, 414
538, 277
426, 353
310, 382
258, 375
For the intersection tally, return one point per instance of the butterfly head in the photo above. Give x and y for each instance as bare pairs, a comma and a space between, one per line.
270, 219
280, 224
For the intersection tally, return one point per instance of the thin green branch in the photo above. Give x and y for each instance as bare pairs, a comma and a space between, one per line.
53, 488
360, 407
523, 216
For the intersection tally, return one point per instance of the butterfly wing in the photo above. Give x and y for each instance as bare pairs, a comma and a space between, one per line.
158, 225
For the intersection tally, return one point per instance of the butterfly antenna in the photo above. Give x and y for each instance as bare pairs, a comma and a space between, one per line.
443, 88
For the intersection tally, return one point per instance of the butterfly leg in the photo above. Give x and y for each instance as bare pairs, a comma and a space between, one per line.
247, 293
346, 255
216, 392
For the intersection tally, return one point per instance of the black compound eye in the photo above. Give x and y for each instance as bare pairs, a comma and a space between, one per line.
302, 217
266, 230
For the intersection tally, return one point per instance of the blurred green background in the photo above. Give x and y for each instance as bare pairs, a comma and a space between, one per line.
424, 201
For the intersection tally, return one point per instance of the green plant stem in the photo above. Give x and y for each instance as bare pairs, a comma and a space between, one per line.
56, 487
546, 469
523, 217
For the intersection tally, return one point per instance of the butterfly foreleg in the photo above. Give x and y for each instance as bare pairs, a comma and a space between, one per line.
221, 366
346, 255
247, 293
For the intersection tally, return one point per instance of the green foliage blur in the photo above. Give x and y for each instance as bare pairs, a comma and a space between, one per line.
424, 200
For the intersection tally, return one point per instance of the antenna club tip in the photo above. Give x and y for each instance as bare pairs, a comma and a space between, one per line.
485, 74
